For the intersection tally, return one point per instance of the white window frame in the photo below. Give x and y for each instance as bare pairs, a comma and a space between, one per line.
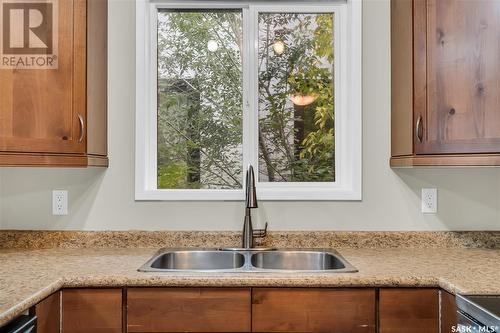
348, 93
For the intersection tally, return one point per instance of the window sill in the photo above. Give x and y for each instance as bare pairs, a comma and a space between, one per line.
263, 194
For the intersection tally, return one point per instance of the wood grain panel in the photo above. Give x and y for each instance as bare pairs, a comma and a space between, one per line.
36, 106
48, 313
40, 109
419, 71
409, 310
97, 90
52, 160
463, 80
188, 310
313, 310
80, 74
465, 160
92, 310
401, 77
449, 317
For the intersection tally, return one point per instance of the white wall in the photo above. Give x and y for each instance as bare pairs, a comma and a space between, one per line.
469, 199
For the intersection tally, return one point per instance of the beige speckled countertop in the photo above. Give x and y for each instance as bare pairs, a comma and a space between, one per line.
28, 276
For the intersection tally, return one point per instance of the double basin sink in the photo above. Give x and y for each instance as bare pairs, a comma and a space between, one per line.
247, 260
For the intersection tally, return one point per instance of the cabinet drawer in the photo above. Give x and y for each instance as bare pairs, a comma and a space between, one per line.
313, 310
188, 310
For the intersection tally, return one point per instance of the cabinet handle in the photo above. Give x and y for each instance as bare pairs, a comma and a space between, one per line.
82, 128
418, 129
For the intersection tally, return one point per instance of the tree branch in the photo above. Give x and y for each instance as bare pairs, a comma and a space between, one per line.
222, 168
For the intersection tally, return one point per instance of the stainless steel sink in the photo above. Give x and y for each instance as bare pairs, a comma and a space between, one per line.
297, 260
238, 260
195, 260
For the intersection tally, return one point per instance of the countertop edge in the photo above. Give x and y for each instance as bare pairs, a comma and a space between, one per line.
30, 301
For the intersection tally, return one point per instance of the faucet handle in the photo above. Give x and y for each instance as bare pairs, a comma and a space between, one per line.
260, 233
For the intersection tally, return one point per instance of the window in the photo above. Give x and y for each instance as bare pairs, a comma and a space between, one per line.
295, 97
221, 85
199, 99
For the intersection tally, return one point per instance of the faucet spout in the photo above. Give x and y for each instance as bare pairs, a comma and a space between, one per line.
250, 202
250, 191
247, 237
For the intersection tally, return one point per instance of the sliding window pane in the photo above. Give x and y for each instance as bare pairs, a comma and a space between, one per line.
200, 99
296, 97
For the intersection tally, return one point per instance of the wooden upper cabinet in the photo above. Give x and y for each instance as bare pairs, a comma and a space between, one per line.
313, 310
53, 85
37, 111
409, 310
463, 77
401, 78
445, 82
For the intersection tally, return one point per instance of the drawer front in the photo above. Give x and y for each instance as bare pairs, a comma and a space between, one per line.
313, 310
188, 310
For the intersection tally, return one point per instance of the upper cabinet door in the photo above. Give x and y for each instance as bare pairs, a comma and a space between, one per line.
457, 104
42, 77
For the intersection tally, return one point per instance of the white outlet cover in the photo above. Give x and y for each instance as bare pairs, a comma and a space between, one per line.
59, 202
429, 200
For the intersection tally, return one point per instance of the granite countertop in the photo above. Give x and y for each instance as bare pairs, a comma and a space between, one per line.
29, 275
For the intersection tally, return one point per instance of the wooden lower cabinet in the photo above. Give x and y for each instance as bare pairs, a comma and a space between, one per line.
189, 310
449, 316
329, 310
92, 310
408, 310
313, 310
48, 313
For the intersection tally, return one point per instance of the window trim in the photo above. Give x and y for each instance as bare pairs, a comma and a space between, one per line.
348, 136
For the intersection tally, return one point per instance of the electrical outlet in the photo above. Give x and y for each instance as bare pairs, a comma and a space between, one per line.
429, 200
59, 202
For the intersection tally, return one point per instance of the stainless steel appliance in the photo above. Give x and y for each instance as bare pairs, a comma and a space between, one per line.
478, 314
25, 323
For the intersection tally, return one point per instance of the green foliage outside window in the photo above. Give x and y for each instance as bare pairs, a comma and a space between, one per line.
200, 100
